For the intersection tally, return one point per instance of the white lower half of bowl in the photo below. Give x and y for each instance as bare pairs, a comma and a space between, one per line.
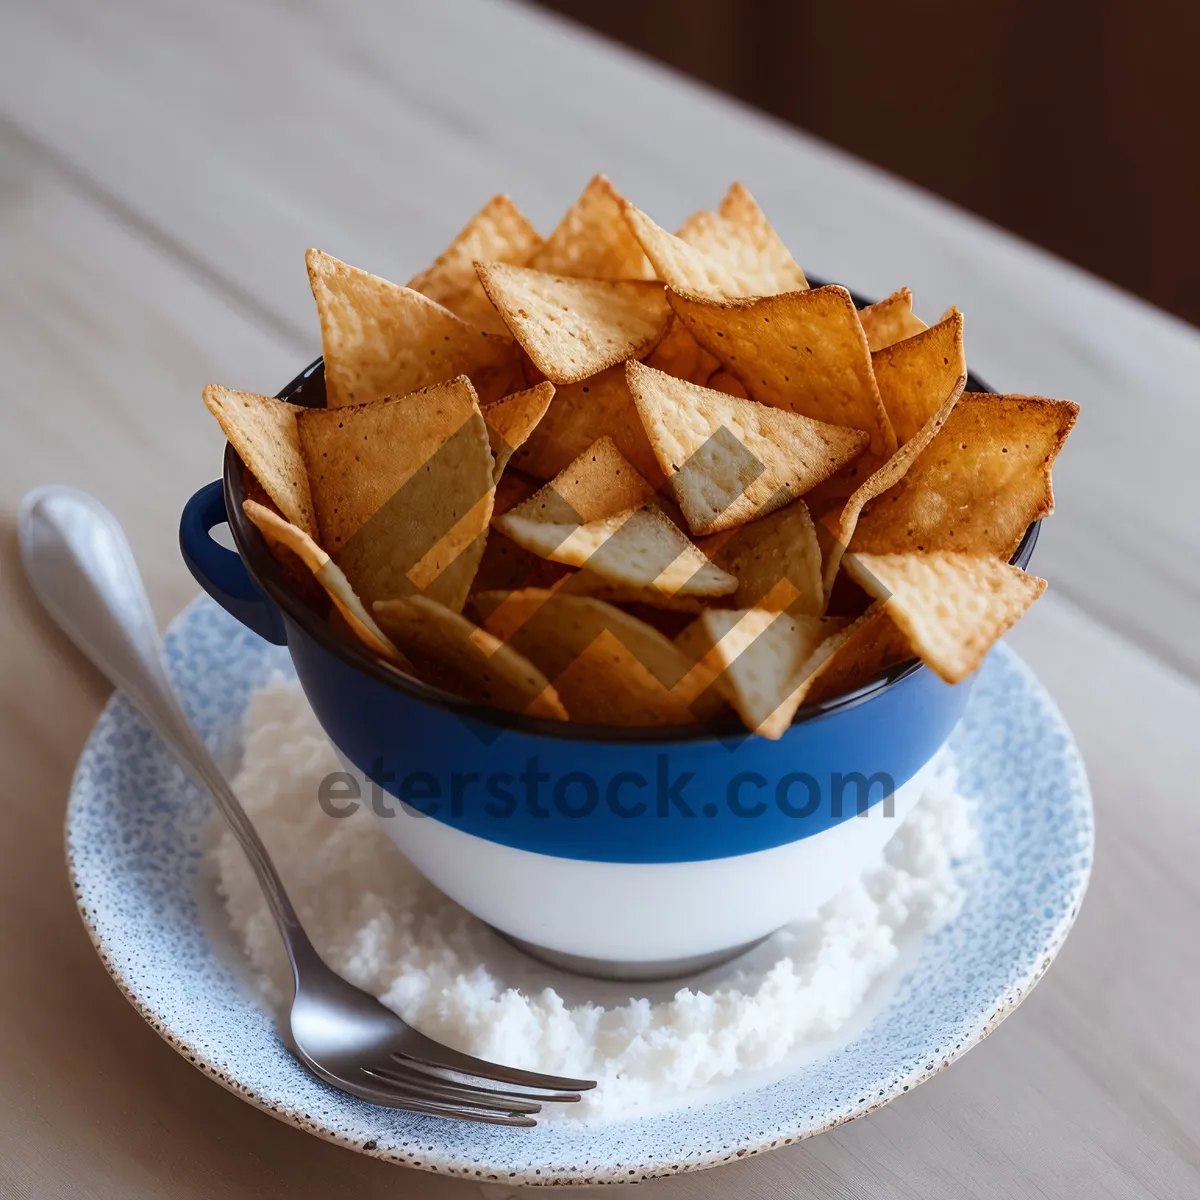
645, 920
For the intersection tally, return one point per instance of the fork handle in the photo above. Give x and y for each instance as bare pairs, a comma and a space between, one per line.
83, 571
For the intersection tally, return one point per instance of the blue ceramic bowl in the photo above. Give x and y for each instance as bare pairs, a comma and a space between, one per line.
622, 850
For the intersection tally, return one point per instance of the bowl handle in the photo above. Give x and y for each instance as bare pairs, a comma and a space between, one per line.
221, 572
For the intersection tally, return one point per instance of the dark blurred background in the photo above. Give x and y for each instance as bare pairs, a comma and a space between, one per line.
1074, 124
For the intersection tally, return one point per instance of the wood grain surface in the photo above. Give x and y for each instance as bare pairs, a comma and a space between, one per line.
162, 168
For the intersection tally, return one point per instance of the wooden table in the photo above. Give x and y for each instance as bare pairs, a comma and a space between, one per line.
162, 168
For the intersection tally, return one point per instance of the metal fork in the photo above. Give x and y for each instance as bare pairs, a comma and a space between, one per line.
83, 571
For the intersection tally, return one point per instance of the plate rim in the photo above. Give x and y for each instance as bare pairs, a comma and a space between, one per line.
550, 1175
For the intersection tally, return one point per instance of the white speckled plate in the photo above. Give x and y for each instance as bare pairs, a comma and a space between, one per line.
135, 829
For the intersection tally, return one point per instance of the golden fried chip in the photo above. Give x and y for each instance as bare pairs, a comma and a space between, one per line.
730, 460
290, 563
803, 352
860, 653
609, 667
782, 546
842, 525
579, 414
452, 653
383, 340
679, 354
982, 480
740, 237
592, 240
263, 432
598, 483
890, 320
759, 656
403, 491
952, 607
511, 419
499, 232
281, 532
917, 374
681, 267
639, 550
574, 328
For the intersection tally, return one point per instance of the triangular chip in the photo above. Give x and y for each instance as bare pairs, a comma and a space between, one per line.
454, 654
780, 547
511, 419
980, 483
890, 320
759, 656
403, 491
281, 532
609, 667
639, 549
859, 655
803, 352
591, 241
952, 607
600, 482
740, 237
841, 524
682, 267
573, 328
263, 432
499, 232
382, 340
579, 414
679, 354
298, 573
731, 460
917, 374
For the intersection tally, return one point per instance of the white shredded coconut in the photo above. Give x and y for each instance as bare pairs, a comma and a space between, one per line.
376, 920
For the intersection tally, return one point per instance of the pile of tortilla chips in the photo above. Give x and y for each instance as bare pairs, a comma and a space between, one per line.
625, 477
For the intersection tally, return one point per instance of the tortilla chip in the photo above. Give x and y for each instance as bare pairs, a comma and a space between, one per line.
727, 382
579, 414
861, 653
573, 328
592, 240
841, 527
497, 233
279, 531
740, 237
681, 267
803, 352
403, 491
263, 432
917, 374
731, 460
512, 419
679, 354
952, 607
890, 320
598, 483
290, 563
759, 655
454, 654
640, 549
383, 340
782, 546
608, 667
980, 483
